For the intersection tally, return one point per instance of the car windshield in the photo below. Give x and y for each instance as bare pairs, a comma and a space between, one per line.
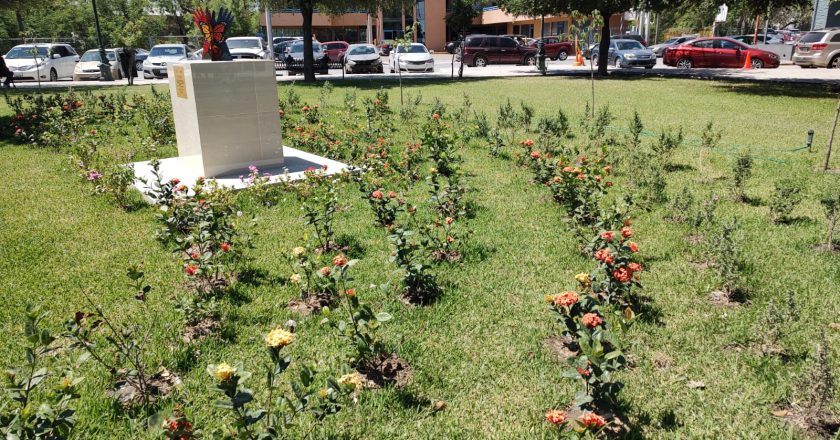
810, 37
297, 47
20, 52
245, 43
671, 41
414, 48
93, 55
362, 50
167, 52
629, 45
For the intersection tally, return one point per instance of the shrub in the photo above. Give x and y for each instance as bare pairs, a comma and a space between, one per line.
818, 385
27, 410
618, 271
668, 143
786, 196
313, 275
831, 207
741, 172
418, 285
727, 258
116, 182
318, 195
681, 207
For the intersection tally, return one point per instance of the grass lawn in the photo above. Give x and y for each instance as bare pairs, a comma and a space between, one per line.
480, 347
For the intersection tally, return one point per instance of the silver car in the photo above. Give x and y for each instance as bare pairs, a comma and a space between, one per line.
628, 53
818, 49
659, 49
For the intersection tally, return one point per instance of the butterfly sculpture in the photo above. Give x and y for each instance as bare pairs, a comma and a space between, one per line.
213, 28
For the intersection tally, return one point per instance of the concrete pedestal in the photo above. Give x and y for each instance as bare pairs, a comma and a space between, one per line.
226, 115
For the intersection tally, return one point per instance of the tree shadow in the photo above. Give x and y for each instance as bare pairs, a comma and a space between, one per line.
668, 420
818, 89
351, 246
648, 311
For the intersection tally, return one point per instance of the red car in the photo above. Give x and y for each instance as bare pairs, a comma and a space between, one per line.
717, 52
335, 50
555, 48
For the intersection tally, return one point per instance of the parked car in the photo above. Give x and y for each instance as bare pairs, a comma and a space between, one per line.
718, 52
247, 48
385, 48
519, 38
362, 58
555, 47
88, 65
627, 53
50, 61
140, 55
818, 49
481, 50
765, 39
278, 40
335, 50
630, 36
659, 49
414, 57
281, 49
294, 58
161, 55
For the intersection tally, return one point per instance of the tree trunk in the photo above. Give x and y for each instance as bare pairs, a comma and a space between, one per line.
19, 18
604, 46
306, 9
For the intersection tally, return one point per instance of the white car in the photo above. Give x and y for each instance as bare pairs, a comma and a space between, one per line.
161, 55
88, 65
247, 48
42, 61
411, 58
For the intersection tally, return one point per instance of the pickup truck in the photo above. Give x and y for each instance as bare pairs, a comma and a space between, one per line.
555, 48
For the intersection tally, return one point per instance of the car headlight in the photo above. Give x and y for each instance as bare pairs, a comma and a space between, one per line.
350, 62
630, 55
29, 67
774, 56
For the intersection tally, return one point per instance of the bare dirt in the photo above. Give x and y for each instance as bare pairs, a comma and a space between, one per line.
201, 330
561, 347
387, 370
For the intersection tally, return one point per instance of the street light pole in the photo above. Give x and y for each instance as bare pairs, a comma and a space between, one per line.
105, 66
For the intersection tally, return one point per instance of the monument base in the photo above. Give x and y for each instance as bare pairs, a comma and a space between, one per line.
295, 163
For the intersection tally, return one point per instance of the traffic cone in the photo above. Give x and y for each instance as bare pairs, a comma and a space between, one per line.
578, 55
748, 61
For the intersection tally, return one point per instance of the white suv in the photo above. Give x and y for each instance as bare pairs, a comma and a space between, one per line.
160, 55
50, 61
247, 48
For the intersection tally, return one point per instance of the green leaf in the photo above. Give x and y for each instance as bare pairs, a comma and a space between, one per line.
383, 317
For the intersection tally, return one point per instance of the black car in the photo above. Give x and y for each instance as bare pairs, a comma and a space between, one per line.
294, 58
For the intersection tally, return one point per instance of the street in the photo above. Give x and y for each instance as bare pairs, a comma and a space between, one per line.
444, 68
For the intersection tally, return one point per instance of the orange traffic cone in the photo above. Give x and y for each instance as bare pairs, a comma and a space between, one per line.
748, 61
578, 55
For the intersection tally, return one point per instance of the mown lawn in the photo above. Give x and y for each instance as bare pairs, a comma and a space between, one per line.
480, 347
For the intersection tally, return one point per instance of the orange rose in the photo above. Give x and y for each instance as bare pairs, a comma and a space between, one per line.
592, 421
566, 299
591, 320
556, 417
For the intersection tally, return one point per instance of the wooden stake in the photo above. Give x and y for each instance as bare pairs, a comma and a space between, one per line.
831, 137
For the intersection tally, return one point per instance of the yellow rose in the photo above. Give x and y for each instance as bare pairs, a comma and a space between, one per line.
351, 379
298, 251
323, 393
583, 279
279, 337
224, 372
295, 278
549, 299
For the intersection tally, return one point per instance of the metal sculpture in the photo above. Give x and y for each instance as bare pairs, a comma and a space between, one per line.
213, 28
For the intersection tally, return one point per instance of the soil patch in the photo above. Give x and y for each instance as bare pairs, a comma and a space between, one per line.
420, 297
312, 304
128, 391
615, 428
388, 369
723, 299
825, 247
450, 256
695, 239
561, 346
819, 424
661, 361
201, 330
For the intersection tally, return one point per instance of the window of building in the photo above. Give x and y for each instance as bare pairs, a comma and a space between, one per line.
555, 28
524, 29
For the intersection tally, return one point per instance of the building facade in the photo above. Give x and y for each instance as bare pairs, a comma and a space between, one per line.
826, 14
359, 26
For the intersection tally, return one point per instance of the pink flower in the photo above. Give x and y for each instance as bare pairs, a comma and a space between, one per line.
377, 194
93, 175
591, 320
627, 232
633, 246
608, 236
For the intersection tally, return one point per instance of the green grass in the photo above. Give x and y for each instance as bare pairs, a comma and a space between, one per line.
479, 348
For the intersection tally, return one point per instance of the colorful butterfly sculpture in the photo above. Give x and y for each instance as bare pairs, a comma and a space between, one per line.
213, 28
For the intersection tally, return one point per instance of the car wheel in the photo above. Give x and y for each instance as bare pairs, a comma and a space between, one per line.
53, 75
834, 63
562, 55
138, 65
617, 63
76, 78
756, 63
480, 61
531, 60
684, 63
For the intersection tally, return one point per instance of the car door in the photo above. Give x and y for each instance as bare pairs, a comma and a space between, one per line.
64, 64
509, 51
727, 54
490, 49
701, 53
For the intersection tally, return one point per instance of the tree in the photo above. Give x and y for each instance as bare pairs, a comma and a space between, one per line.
459, 18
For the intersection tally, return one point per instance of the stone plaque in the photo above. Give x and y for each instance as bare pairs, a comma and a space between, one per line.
180, 82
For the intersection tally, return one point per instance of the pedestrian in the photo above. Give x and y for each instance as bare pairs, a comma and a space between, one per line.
6, 73
128, 61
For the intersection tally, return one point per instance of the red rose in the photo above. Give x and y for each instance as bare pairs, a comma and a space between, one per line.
604, 255
556, 417
607, 169
566, 299
556, 179
592, 421
65, 107
377, 194
568, 169
609, 184
195, 255
435, 116
633, 246
583, 372
622, 274
634, 267
449, 238
77, 104
175, 181
608, 236
597, 178
535, 155
191, 269
583, 159
449, 220
591, 320
627, 232
350, 292
392, 194
226, 247
339, 260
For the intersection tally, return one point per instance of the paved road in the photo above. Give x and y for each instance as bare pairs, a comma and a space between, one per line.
444, 68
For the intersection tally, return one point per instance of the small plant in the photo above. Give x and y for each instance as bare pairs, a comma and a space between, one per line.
668, 143
634, 139
28, 410
741, 173
681, 207
709, 141
727, 258
618, 271
831, 207
786, 196
818, 383
418, 285
116, 182
318, 194
705, 216
258, 187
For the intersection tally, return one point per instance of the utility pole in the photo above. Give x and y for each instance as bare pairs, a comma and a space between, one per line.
105, 66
